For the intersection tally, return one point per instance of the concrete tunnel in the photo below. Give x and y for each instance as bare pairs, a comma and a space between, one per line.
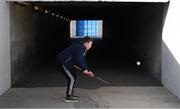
131, 32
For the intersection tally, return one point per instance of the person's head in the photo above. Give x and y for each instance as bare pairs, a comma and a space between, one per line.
87, 42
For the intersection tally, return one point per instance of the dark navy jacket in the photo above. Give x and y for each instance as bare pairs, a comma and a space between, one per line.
74, 55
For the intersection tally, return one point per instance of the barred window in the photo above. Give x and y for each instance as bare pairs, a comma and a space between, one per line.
91, 28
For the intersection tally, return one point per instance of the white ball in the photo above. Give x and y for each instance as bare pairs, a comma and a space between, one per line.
138, 63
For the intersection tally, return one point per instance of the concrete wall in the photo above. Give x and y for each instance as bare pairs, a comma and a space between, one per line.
35, 40
4, 47
171, 49
25, 30
147, 46
170, 71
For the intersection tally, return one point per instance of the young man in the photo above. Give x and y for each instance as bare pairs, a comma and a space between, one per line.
74, 55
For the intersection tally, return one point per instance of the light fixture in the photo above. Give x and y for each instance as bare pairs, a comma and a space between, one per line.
57, 15
46, 11
36, 7
52, 14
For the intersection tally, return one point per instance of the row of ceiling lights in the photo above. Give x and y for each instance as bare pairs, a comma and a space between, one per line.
37, 8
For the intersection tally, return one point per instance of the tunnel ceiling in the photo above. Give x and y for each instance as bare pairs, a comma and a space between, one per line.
89, 10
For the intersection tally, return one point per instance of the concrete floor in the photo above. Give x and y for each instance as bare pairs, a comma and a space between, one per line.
50, 76
129, 87
104, 97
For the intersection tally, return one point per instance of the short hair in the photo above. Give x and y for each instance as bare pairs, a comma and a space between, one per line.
87, 39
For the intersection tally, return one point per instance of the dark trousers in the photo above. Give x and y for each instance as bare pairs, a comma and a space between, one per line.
70, 75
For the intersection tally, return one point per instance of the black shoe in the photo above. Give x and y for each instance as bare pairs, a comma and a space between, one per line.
71, 99
75, 97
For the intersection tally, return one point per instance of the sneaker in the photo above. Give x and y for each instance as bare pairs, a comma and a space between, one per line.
75, 97
71, 99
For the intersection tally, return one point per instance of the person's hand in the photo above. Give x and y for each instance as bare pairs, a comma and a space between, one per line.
91, 74
86, 72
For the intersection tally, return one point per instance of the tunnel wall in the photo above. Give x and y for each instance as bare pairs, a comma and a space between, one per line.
148, 43
25, 25
4, 47
36, 38
170, 71
170, 49
55, 38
